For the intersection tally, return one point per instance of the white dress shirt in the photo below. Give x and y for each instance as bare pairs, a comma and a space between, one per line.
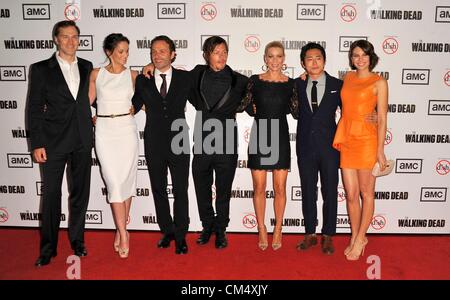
71, 74
159, 81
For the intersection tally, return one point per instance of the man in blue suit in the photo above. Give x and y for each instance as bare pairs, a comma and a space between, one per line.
319, 97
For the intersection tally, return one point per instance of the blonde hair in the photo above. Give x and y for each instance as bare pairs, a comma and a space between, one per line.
273, 44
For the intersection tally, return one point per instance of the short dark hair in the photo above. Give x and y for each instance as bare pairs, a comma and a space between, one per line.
368, 49
166, 39
210, 44
63, 24
310, 46
112, 40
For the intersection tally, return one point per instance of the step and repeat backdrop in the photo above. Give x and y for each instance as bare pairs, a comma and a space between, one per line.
411, 38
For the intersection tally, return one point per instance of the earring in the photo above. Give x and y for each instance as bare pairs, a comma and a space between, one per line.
264, 67
284, 67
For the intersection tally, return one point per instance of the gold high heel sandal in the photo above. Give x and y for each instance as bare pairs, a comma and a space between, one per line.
123, 252
116, 241
263, 240
276, 242
350, 246
357, 250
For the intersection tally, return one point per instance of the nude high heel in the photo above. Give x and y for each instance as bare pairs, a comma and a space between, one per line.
263, 240
357, 249
277, 235
123, 252
116, 241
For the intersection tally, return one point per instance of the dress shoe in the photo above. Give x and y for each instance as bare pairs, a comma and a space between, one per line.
164, 242
309, 241
327, 244
221, 239
44, 260
181, 247
204, 236
80, 250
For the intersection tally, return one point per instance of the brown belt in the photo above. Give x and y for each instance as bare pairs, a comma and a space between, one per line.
112, 116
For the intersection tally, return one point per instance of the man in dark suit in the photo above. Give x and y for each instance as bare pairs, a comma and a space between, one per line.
61, 134
319, 97
217, 93
166, 139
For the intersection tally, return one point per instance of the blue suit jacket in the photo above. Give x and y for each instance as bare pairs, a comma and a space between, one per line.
315, 132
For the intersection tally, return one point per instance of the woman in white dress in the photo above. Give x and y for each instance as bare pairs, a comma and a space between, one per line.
116, 139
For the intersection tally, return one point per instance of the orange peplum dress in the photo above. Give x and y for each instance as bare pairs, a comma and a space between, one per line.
356, 138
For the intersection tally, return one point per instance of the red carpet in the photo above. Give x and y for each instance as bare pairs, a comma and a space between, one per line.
401, 257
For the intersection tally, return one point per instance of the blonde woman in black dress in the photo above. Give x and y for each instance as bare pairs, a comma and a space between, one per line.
270, 96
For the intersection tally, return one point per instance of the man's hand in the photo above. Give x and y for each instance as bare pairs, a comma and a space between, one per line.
132, 110
39, 155
94, 120
148, 70
303, 76
372, 118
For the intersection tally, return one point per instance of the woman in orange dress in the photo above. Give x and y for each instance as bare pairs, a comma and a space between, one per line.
361, 143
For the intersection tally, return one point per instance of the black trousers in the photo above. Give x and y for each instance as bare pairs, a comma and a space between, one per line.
309, 167
178, 165
78, 178
224, 167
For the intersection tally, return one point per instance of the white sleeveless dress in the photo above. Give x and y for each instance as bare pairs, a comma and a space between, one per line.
116, 139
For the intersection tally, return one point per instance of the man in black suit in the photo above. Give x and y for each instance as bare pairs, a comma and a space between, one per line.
166, 139
319, 97
217, 93
61, 134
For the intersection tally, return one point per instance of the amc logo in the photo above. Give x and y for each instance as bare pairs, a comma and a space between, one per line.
343, 221
86, 43
204, 37
433, 194
413, 166
439, 107
94, 217
19, 160
311, 12
442, 14
12, 73
142, 163
346, 41
296, 193
39, 11
171, 10
416, 76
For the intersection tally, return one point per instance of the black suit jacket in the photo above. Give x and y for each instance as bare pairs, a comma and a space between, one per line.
315, 132
224, 109
53, 114
162, 112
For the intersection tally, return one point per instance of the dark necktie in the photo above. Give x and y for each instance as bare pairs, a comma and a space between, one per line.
163, 90
314, 97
